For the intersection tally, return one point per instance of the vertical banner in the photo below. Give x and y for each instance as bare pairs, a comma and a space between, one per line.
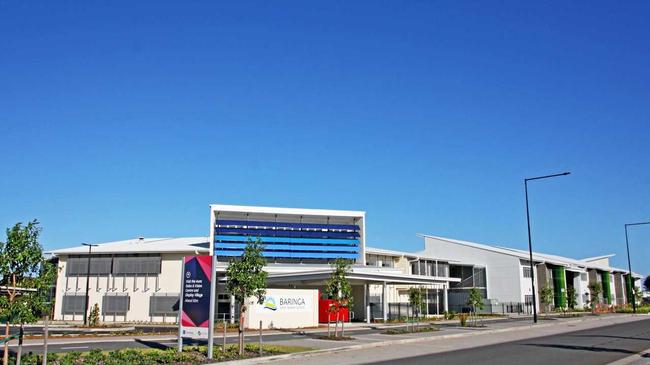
195, 306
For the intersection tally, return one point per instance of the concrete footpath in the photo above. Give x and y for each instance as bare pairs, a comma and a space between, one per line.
376, 347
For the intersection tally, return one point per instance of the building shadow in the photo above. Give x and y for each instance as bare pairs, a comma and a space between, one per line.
152, 344
619, 337
582, 348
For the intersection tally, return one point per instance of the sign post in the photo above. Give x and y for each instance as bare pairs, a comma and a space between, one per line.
213, 295
196, 298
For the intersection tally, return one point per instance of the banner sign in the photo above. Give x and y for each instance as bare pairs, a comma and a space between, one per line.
195, 316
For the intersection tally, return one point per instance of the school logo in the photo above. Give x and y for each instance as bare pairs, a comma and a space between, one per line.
269, 303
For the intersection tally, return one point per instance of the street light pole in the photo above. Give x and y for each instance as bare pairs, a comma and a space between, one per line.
90, 247
530, 243
629, 262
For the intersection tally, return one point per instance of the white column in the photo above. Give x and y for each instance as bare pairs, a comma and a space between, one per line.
367, 295
384, 301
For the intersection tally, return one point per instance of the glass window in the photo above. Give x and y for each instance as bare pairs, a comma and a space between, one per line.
526, 272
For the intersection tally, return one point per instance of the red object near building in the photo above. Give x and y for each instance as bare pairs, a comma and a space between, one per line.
324, 310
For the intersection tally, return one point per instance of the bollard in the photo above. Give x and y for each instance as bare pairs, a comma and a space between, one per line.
225, 325
260, 338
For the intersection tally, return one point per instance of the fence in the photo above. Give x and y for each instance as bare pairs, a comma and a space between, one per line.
496, 308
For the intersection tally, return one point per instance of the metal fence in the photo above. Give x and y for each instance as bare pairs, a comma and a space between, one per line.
496, 308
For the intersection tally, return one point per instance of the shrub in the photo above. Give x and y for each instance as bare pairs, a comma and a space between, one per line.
69, 358
463, 319
93, 317
94, 357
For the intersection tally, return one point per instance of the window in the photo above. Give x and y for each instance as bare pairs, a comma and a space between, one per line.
479, 277
78, 265
443, 269
74, 304
164, 304
415, 268
136, 265
527, 272
115, 304
528, 299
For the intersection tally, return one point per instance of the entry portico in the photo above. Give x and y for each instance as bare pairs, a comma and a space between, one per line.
362, 279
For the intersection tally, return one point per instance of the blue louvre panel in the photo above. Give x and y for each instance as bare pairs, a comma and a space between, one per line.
351, 227
277, 247
293, 255
282, 233
288, 240
305, 241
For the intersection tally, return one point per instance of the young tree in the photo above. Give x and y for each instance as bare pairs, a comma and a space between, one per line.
246, 278
339, 288
572, 297
646, 283
475, 300
594, 292
415, 300
638, 294
546, 297
27, 277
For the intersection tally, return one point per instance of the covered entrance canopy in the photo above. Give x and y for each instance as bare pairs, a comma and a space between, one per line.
361, 278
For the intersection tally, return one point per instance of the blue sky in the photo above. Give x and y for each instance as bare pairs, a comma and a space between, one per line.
128, 119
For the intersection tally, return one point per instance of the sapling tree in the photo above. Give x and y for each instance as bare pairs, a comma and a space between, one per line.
546, 297
572, 297
594, 293
475, 300
245, 278
415, 300
27, 277
338, 287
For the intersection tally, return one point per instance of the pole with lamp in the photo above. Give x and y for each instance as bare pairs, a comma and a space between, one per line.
629, 262
530, 244
90, 248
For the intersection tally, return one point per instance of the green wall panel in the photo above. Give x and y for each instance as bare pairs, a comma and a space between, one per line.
559, 286
628, 289
607, 287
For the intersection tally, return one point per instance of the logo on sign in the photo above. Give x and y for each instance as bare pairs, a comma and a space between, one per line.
269, 303
188, 274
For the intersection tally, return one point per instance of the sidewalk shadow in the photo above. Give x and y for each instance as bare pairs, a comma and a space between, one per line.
582, 348
152, 344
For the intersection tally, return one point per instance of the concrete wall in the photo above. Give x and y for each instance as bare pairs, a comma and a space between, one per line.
138, 288
503, 271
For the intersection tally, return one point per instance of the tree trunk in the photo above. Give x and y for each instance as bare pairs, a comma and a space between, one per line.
336, 325
19, 353
328, 325
45, 334
343, 326
5, 357
242, 310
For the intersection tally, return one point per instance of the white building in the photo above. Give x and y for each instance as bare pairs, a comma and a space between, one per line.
139, 279
505, 275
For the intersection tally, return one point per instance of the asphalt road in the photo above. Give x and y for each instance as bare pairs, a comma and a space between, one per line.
588, 347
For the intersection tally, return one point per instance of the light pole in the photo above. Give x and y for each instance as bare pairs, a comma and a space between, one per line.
530, 243
90, 248
629, 263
